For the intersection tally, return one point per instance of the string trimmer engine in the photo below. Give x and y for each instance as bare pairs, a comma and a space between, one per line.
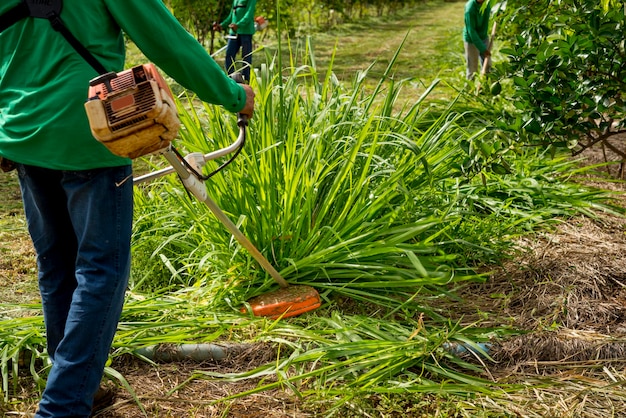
132, 112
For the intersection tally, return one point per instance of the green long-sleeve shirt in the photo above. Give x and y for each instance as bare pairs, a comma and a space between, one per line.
44, 81
476, 24
242, 15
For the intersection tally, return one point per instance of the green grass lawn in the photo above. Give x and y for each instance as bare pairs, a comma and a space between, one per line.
17, 259
433, 46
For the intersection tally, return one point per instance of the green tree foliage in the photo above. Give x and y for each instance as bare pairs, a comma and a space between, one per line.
293, 15
566, 63
198, 15
285, 11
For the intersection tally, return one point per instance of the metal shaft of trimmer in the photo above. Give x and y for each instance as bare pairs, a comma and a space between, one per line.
198, 189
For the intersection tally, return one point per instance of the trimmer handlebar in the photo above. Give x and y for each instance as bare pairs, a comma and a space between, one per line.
189, 169
195, 185
242, 122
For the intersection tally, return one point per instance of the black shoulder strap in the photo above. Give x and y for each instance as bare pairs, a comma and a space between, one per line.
51, 10
14, 15
58, 25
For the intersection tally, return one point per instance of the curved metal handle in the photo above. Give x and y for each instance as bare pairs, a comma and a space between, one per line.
207, 157
242, 122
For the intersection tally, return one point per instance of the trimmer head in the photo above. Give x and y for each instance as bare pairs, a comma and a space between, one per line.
285, 302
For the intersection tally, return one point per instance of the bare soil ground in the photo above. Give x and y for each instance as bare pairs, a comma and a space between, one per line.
567, 289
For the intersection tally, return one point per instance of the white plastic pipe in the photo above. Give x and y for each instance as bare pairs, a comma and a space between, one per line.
189, 352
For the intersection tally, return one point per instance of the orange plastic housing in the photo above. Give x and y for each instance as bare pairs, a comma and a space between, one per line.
136, 115
128, 79
284, 303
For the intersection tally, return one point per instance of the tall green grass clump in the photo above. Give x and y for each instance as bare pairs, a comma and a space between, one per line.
336, 192
342, 192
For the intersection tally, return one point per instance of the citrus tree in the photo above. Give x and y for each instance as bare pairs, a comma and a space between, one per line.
566, 68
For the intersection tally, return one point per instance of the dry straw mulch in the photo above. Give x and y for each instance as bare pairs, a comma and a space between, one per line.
566, 289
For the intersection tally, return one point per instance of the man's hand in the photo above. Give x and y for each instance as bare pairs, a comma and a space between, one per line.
217, 27
233, 26
248, 109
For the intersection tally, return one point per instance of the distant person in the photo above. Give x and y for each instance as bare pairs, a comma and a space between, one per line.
475, 37
240, 22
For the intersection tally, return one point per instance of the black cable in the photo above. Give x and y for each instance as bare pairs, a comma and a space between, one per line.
202, 177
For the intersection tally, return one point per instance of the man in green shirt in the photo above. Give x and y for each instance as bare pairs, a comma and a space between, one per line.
240, 22
475, 37
77, 195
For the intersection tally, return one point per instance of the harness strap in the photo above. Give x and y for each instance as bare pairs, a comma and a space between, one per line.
44, 8
14, 15
58, 25
50, 10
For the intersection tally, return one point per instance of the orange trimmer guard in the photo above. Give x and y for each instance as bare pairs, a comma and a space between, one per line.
285, 302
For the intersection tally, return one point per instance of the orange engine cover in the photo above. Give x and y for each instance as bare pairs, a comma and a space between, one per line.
136, 116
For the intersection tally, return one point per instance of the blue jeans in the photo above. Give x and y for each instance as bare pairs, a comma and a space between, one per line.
243, 42
80, 223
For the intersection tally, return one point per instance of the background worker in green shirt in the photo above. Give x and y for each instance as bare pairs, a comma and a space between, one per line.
77, 195
240, 22
475, 35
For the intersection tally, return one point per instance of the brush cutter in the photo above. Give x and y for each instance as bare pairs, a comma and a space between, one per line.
285, 302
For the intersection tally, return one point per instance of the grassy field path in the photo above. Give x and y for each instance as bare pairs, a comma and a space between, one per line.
433, 47
17, 257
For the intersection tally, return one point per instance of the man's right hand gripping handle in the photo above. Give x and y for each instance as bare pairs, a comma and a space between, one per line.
248, 109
